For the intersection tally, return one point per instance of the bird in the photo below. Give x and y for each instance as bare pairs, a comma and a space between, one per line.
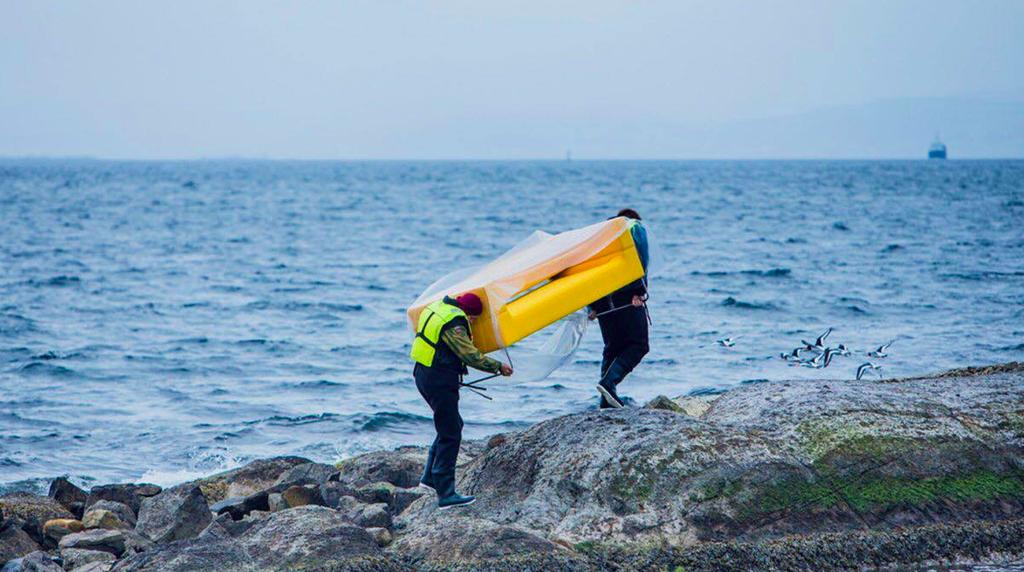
880, 352
842, 350
827, 356
819, 343
727, 342
795, 354
864, 367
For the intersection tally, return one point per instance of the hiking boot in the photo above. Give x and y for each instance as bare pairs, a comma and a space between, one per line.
607, 390
455, 499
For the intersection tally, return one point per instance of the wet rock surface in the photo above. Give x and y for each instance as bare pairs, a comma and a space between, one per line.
787, 475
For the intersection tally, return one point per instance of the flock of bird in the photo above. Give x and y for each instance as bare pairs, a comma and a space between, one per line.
819, 356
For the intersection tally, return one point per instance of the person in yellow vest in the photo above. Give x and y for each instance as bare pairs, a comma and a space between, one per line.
442, 349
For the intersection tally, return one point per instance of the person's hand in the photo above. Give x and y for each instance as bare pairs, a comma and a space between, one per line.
506, 370
638, 301
592, 315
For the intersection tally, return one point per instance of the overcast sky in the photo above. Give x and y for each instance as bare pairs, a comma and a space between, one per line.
404, 79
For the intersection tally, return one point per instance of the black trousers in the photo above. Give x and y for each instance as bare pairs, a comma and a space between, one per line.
626, 342
440, 389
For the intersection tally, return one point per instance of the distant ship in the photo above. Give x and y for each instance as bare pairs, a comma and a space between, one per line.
937, 150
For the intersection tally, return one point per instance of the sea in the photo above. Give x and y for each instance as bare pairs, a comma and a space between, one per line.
165, 320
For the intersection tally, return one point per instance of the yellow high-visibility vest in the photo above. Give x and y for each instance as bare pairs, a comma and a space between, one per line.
428, 332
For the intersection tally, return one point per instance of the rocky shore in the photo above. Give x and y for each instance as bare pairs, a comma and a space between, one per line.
785, 475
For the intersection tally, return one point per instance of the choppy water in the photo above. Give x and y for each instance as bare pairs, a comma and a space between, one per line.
159, 320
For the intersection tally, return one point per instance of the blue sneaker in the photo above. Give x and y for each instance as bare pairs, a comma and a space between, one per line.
454, 500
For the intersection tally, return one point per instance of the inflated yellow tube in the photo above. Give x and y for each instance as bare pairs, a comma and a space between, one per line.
535, 285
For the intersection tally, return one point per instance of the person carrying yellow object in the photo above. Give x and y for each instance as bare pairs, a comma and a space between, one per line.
442, 349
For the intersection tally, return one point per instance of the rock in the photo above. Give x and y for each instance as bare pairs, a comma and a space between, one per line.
401, 468
78, 557
239, 507
174, 514
276, 502
297, 495
663, 403
696, 405
94, 567
127, 494
68, 495
306, 536
15, 542
32, 511
99, 518
58, 528
244, 481
496, 441
112, 541
766, 461
376, 492
122, 514
225, 527
307, 474
450, 538
189, 556
403, 498
373, 516
381, 535
33, 562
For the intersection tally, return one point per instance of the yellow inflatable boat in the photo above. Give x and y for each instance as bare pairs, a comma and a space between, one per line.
541, 280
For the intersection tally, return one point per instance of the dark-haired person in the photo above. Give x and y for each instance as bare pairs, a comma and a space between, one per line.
624, 320
442, 349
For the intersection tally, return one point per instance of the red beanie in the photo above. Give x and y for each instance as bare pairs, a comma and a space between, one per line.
470, 304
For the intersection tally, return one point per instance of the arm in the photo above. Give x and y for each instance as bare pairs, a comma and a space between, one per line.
458, 340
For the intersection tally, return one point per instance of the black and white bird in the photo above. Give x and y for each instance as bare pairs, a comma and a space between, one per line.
727, 342
880, 352
827, 356
868, 366
842, 350
793, 355
819, 343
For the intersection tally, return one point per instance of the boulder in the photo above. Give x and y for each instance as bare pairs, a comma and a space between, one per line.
58, 528
32, 511
244, 481
302, 495
15, 542
276, 502
130, 495
79, 557
93, 567
68, 495
373, 516
307, 474
221, 555
663, 403
112, 541
109, 514
403, 498
381, 535
33, 562
238, 507
306, 536
447, 538
174, 514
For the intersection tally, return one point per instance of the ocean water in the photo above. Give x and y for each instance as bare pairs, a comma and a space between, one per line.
169, 319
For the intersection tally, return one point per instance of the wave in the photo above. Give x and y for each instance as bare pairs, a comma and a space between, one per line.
56, 281
770, 273
48, 369
389, 420
316, 383
983, 275
1016, 348
733, 302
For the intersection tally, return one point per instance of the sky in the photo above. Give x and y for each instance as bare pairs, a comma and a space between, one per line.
402, 79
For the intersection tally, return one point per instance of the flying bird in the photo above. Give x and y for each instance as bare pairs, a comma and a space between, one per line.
880, 352
819, 343
865, 367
